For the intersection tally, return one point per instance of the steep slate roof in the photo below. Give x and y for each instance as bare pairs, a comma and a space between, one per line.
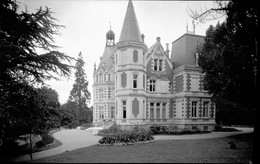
130, 30
107, 59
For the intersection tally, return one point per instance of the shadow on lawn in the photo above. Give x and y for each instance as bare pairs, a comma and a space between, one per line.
214, 150
14, 150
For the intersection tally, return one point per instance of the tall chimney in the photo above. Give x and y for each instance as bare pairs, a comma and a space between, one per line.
167, 50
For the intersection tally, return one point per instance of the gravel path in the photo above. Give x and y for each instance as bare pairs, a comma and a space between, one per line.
75, 139
70, 139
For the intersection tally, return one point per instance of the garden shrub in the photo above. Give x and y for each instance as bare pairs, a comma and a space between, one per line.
115, 135
46, 139
172, 130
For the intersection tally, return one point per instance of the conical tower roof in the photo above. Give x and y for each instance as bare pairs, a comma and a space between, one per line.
130, 30
107, 59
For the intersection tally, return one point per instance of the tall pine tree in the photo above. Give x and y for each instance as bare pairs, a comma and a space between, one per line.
79, 93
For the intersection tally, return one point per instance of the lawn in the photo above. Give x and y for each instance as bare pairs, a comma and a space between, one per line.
170, 151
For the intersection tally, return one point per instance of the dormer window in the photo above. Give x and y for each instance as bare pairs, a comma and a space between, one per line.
155, 64
158, 65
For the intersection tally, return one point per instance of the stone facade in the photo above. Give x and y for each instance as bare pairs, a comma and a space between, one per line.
136, 85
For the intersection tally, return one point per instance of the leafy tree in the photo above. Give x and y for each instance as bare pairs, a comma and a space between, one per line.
68, 115
31, 113
50, 100
79, 93
230, 58
28, 56
22, 36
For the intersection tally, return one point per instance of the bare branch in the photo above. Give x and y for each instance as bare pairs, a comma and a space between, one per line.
206, 14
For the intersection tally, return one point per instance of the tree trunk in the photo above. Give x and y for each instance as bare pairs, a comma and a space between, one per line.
31, 151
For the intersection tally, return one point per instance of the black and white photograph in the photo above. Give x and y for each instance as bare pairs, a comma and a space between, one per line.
128, 81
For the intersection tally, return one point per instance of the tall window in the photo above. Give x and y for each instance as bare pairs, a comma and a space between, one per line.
101, 112
205, 112
158, 110
124, 108
155, 64
160, 64
101, 93
163, 110
151, 110
135, 81
112, 112
152, 85
194, 109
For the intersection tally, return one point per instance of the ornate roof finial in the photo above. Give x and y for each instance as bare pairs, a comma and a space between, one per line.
110, 25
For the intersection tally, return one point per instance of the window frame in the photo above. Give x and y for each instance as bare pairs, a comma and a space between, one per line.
158, 64
152, 85
124, 109
152, 107
135, 81
205, 109
194, 109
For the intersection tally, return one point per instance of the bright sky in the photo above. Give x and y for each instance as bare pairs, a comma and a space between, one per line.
87, 21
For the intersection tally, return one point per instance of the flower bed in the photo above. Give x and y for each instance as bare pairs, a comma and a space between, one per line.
171, 130
117, 136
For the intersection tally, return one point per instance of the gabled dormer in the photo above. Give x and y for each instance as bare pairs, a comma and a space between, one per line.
157, 61
158, 68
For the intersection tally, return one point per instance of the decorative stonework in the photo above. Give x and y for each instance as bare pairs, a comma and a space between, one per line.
176, 88
212, 110
123, 79
201, 85
200, 108
135, 107
188, 103
188, 78
144, 81
109, 92
135, 56
173, 114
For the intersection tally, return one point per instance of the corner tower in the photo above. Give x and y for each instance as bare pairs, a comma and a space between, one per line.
130, 72
104, 83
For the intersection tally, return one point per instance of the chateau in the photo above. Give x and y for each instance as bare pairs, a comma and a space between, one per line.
137, 85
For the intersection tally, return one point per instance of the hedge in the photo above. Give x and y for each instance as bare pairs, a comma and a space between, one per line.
117, 136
